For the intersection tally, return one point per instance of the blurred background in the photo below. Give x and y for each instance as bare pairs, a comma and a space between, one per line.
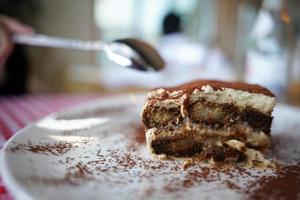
245, 40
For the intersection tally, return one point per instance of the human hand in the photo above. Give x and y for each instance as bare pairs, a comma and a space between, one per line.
9, 26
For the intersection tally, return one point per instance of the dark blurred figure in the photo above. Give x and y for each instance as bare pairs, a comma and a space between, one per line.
14, 68
183, 56
171, 24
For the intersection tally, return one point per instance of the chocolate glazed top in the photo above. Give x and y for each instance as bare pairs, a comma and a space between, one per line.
219, 85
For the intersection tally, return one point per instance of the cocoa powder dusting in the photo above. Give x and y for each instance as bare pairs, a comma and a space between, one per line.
53, 181
232, 185
74, 176
219, 85
120, 167
79, 171
285, 185
56, 149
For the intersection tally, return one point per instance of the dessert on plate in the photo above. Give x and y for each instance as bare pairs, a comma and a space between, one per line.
213, 121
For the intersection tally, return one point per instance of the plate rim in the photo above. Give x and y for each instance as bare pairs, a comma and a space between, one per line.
10, 183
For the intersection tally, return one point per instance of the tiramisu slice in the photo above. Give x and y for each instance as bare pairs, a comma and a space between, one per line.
214, 121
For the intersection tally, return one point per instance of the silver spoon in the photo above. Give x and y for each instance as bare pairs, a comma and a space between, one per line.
128, 52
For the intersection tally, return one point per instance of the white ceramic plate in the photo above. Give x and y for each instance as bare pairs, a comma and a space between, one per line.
97, 151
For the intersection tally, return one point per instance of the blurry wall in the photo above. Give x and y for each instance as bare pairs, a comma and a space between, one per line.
234, 22
54, 69
226, 26
216, 22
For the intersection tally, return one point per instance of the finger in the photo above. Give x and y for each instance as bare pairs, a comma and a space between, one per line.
14, 26
6, 45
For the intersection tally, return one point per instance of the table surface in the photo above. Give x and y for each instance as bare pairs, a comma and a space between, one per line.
18, 111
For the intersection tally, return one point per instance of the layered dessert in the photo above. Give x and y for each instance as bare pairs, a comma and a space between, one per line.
212, 121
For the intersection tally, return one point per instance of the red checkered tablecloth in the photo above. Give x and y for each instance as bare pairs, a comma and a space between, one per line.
18, 111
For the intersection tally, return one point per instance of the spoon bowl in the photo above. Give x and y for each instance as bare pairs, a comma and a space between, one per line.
134, 53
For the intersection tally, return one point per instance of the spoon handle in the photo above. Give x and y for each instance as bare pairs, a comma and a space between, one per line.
57, 42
